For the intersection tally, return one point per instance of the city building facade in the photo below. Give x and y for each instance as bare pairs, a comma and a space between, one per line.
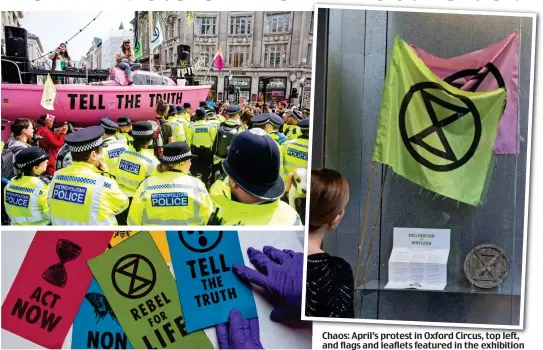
267, 55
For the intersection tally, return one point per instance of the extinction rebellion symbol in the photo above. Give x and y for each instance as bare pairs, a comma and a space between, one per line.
464, 108
133, 276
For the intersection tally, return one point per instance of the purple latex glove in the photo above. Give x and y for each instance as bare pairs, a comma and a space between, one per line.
281, 273
239, 333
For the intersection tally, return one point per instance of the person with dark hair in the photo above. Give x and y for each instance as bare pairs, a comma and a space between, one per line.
125, 125
52, 141
188, 110
202, 136
166, 129
84, 193
61, 59
124, 59
171, 196
25, 196
330, 281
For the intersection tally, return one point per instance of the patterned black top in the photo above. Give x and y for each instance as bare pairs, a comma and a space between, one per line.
329, 290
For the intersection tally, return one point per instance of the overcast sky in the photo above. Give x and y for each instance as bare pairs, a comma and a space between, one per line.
54, 27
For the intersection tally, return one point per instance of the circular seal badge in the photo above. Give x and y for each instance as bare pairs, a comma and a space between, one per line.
486, 266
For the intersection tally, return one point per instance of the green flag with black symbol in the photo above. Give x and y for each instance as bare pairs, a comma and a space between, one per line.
138, 50
434, 134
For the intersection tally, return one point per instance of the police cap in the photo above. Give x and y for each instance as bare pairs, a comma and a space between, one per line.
262, 178
176, 152
304, 125
233, 109
210, 111
124, 121
85, 140
200, 113
307, 110
172, 111
179, 109
30, 156
267, 118
142, 130
109, 125
203, 104
296, 115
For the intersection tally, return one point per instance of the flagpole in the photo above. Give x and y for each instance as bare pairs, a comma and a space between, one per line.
151, 29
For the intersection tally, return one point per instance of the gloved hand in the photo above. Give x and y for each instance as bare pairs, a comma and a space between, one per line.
281, 273
239, 333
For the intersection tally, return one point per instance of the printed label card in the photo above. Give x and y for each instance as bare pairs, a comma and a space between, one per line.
143, 295
208, 288
51, 284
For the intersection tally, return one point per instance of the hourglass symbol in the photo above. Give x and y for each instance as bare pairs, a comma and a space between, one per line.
56, 274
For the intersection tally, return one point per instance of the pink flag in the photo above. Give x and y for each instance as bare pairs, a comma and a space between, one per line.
486, 70
219, 60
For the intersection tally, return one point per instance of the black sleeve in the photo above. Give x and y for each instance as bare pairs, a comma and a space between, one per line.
342, 293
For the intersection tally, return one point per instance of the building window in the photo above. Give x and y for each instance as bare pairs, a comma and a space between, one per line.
275, 55
170, 31
206, 25
310, 55
171, 59
165, 61
240, 25
178, 26
311, 23
238, 55
206, 51
278, 23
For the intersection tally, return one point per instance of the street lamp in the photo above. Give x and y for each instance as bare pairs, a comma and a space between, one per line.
265, 82
292, 78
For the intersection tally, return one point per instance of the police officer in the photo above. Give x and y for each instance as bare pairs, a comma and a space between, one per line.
296, 152
291, 129
84, 193
201, 141
251, 193
226, 133
64, 158
125, 125
306, 112
112, 146
271, 123
180, 125
25, 196
188, 111
212, 118
171, 196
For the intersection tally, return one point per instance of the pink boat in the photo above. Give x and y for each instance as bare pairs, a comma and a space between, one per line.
85, 104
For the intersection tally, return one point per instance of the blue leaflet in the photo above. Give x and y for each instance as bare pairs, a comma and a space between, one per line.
95, 325
208, 288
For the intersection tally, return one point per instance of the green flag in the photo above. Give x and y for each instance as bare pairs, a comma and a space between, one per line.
137, 50
434, 134
143, 295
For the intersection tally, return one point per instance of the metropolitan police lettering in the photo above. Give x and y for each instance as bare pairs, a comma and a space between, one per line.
200, 130
297, 154
115, 153
129, 167
175, 199
18, 199
69, 193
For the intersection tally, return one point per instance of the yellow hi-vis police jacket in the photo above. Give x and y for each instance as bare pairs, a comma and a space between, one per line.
202, 134
25, 201
294, 154
292, 132
133, 167
112, 149
181, 130
81, 195
171, 198
124, 137
233, 213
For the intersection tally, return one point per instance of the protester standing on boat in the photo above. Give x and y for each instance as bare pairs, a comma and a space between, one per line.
171, 196
52, 141
125, 60
26, 194
61, 59
166, 129
84, 192
125, 125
